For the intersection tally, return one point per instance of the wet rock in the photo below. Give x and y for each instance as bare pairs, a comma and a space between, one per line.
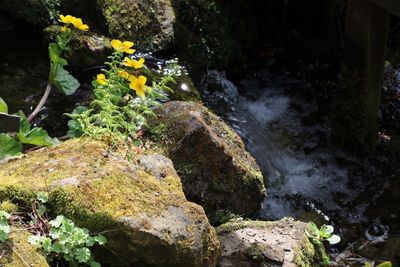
17, 252
257, 243
87, 49
216, 170
150, 24
147, 220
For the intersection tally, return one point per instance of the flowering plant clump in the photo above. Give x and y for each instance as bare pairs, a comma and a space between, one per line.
123, 100
11, 144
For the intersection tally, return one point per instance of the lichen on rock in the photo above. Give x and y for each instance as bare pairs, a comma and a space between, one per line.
147, 220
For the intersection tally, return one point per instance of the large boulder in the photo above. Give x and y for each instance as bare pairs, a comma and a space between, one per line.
139, 204
150, 24
257, 243
17, 252
216, 170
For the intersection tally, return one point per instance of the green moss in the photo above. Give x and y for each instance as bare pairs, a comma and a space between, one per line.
17, 252
8, 206
311, 254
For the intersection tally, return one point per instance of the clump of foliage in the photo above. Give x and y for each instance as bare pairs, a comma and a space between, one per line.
11, 144
383, 264
68, 242
122, 99
5, 228
59, 239
322, 234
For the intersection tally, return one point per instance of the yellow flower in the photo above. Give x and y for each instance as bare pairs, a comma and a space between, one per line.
101, 79
79, 24
137, 64
68, 19
123, 46
123, 74
138, 84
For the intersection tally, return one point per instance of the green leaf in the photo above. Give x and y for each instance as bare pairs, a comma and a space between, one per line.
43, 197
9, 146
63, 80
4, 215
95, 264
55, 55
35, 136
385, 264
75, 125
327, 229
82, 255
100, 239
42, 209
334, 239
3, 106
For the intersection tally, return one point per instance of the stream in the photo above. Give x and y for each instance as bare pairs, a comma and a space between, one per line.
276, 114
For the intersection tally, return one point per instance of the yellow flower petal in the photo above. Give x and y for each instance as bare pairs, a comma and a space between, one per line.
117, 45
137, 64
79, 24
101, 79
139, 85
123, 74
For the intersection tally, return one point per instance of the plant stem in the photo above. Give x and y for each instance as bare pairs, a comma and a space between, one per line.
41, 103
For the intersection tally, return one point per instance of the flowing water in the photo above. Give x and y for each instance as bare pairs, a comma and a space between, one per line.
277, 116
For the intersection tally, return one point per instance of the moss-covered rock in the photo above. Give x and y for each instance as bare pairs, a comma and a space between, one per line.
17, 252
260, 243
148, 23
140, 205
216, 170
87, 49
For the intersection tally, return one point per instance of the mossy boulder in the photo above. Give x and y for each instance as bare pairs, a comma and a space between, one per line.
260, 243
87, 49
216, 170
17, 252
139, 204
148, 23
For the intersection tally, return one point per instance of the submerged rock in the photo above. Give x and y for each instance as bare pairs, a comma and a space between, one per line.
140, 205
17, 252
149, 23
87, 49
257, 243
216, 170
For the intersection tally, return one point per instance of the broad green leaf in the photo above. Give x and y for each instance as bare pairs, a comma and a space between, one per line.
3, 106
41, 210
35, 136
56, 223
43, 197
385, 264
334, 239
55, 55
9, 146
82, 255
63, 80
